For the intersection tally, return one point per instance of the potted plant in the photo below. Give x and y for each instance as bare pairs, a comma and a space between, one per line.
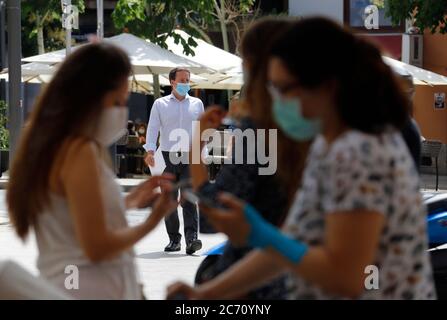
4, 137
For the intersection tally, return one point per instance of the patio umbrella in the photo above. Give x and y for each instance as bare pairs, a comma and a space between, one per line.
420, 76
146, 57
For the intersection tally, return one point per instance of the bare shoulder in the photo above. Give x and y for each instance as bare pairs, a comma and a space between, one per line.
81, 145
74, 151
78, 150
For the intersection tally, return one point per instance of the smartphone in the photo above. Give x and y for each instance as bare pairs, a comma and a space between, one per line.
196, 197
185, 183
228, 123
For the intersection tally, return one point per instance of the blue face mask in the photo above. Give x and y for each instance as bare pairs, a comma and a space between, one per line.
287, 114
182, 88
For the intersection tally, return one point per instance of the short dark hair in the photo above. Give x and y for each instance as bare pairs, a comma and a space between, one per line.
130, 124
317, 51
173, 72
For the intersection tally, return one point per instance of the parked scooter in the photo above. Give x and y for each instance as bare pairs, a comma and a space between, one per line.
437, 218
437, 234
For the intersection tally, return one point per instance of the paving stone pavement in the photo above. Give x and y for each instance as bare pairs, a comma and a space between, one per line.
157, 268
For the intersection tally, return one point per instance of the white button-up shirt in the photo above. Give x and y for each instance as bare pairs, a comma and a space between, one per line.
167, 114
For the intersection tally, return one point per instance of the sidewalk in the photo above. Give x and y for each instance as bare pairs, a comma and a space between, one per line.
428, 182
157, 268
126, 184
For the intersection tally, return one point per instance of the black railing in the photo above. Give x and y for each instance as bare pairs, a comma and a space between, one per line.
432, 149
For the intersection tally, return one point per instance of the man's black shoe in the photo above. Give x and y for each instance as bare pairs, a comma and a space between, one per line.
173, 246
193, 246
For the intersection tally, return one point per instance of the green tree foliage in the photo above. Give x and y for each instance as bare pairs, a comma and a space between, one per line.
425, 14
231, 12
156, 19
41, 25
4, 132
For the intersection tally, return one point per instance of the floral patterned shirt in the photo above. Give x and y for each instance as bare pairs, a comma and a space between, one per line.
373, 172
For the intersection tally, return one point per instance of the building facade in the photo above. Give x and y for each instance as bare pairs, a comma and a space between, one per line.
427, 51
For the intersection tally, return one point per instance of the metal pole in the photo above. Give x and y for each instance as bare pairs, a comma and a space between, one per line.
2, 35
3, 60
100, 15
67, 33
15, 74
100, 35
68, 42
156, 86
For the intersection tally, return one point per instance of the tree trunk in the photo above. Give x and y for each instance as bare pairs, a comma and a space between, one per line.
220, 11
223, 28
40, 41
200, 31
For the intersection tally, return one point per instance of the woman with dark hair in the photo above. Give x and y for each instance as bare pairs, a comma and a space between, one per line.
72, 200
357, 227
141, 132
131, 128
270, 194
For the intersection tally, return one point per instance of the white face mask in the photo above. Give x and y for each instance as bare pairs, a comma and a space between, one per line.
112, 125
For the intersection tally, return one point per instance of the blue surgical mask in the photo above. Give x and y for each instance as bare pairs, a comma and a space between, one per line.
182, 88
287, 114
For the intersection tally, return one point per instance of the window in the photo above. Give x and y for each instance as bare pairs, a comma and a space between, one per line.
354, 17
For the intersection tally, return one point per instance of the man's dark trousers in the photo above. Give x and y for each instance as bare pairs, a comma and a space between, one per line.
190, 215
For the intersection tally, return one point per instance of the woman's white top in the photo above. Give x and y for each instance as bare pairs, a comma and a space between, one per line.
62, 261
16, 283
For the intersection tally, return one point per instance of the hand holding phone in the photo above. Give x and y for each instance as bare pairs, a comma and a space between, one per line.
186, 183
197, 197
212, 117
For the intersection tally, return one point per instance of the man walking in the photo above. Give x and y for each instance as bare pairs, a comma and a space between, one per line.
176, 111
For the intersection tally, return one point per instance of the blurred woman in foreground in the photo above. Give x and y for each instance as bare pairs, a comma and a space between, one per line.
357, 228
71, 198
272, 193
